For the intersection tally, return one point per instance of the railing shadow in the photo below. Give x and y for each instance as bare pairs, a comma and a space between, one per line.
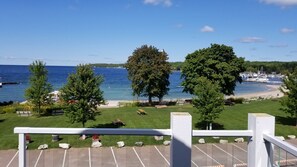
107, 125
285, 120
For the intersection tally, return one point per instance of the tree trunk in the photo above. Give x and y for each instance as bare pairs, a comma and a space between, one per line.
150, 100
160, 100
38, 108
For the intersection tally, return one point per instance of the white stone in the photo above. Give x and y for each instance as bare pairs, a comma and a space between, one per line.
158, 138
42, 147
281, 138
120, 144
64, 145
96, 144
291, 136
223, 141
201, 141
139, 143
239, 140
83, 137
166, 143
216, 137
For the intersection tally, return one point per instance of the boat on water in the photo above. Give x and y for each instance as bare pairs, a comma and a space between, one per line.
258, 79
0, 84
262, 77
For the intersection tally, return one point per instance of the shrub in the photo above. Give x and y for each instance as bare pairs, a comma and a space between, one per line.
7, 109
239, 100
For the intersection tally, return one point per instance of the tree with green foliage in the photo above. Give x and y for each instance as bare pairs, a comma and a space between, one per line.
149, 72
82, 94
208, 100
218, 63
38, 92
289, 101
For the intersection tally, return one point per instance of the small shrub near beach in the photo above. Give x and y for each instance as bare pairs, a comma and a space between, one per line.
239, 100
7, 109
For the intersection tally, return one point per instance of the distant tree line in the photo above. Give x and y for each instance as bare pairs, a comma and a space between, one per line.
252, 66
107, 65
272, 66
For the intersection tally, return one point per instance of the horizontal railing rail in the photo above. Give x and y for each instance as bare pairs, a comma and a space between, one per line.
223, 133
281, 144
101, 131
127, 131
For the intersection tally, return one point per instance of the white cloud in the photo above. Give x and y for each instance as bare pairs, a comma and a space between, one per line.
279, 46
167, 3
207, 29
282, 3
251, 40
287, 30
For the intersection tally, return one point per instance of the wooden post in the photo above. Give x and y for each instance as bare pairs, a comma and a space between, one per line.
259, 152
181, 139
22, 150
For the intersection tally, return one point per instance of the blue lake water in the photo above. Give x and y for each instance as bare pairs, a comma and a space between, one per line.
116, 85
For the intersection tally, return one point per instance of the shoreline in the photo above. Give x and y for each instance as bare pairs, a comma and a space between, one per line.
272, 92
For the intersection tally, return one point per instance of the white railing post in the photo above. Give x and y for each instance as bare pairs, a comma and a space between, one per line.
22, 150
259, 153
181, 139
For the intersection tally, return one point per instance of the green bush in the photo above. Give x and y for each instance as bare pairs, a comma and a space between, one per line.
239, 100
7, 109
23, 107
129, 104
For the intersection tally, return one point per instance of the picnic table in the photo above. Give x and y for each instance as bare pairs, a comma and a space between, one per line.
141, 112
118, 122
24, 113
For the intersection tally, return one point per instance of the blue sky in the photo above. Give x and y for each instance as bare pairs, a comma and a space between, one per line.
70, 32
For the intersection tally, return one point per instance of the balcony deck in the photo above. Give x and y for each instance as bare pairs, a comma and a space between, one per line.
231, 154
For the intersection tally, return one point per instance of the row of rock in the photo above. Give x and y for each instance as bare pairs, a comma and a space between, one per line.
120, 144
237, 140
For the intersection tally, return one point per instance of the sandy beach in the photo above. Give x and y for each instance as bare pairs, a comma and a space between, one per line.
272, 92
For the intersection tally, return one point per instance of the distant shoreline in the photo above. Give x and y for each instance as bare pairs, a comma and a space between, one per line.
272, 92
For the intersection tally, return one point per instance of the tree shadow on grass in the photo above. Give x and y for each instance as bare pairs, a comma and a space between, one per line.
2, 120
107, 125
215, 126
285, 120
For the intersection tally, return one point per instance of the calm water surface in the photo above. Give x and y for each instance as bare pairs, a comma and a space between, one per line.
116, 85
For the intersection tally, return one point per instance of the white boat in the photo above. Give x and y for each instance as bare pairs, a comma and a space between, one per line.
258, 79
0, 84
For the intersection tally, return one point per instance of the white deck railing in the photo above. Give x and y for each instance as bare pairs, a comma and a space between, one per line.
260, 127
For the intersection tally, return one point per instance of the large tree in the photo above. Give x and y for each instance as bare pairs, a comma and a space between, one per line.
149, 71
289, 88
38, 92
218, 63
82, 94
209, 101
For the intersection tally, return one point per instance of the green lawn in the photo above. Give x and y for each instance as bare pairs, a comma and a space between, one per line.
233, 117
